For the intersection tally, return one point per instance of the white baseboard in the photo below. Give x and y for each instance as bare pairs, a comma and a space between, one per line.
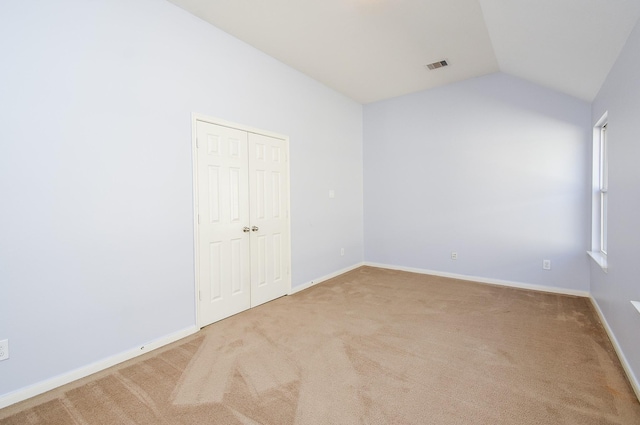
55, 382
323, 278
530, 286
614, 341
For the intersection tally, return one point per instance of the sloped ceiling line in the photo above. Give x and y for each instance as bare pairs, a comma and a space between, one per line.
371, 50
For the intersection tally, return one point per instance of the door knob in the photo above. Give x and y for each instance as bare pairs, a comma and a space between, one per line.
245, 229
255, 228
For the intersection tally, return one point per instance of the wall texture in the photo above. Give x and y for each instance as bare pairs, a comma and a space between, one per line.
96, 215
96, 222
620, 96
494, 168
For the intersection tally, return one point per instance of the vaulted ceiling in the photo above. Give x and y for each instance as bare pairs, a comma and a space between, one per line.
371, 50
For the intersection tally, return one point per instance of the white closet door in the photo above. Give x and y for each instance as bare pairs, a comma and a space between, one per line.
223, 236
269, 210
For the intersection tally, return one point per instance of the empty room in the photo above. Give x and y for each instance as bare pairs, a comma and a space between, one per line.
320, 212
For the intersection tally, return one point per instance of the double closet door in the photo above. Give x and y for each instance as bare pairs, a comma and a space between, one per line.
242, 230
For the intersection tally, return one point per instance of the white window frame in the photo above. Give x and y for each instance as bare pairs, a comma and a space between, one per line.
604, 184
599, 233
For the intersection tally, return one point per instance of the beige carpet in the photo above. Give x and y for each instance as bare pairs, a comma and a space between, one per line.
372, 346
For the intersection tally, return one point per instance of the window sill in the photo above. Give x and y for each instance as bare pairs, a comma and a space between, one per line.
599, 258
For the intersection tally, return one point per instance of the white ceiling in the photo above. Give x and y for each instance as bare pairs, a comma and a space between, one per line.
371, 50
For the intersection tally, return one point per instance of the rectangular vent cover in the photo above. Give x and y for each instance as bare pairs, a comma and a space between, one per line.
437, 65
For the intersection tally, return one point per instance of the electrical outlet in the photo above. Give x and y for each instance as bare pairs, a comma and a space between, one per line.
454, 255
341, 251
4, 349
546, 264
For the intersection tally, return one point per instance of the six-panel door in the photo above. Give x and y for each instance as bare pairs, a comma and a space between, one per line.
242, 189
268, 187
223, 210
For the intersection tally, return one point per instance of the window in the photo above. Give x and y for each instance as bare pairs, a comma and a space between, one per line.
603, 183
600, 193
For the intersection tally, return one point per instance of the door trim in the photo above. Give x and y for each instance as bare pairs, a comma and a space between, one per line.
195, 117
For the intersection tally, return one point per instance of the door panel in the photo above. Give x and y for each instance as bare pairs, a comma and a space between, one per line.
243, 220
267, 168
223, 209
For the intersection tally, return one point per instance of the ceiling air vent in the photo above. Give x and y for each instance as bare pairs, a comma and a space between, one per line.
437, 65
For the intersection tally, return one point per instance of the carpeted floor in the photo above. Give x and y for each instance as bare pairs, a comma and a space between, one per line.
372, 346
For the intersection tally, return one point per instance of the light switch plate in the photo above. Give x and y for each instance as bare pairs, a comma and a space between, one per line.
4, 349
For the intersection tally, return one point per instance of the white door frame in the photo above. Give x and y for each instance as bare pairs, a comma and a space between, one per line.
195, 117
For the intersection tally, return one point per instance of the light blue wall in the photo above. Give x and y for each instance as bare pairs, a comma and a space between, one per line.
620, 96
96, 228
494, 168
96, 231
